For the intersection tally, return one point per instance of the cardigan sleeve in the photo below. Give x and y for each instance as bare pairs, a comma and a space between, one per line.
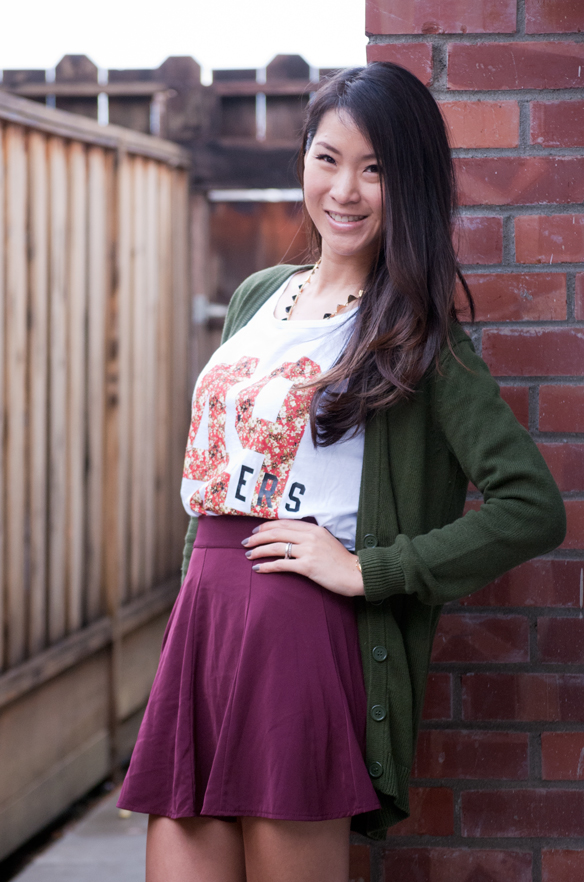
522, 514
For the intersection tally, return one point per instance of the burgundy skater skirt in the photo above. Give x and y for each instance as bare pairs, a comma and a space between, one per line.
258, 707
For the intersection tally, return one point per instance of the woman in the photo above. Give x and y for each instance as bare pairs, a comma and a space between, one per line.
333, 436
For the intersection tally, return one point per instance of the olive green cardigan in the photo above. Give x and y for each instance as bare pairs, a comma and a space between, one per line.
416, 549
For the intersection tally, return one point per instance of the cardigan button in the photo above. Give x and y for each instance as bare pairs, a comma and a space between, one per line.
378, 712
370, 541
379, 653
376, 770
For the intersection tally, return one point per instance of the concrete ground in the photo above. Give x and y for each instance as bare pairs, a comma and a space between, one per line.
102, 847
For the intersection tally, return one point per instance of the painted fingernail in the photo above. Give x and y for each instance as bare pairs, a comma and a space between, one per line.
255, 530
245, 541
256, 569
248, 554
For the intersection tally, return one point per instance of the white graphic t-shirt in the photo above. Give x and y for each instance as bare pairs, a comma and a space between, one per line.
249, 450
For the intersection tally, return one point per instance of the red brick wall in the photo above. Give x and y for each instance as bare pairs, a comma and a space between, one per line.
497, 793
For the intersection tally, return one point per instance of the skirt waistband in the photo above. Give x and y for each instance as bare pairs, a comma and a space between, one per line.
227, 531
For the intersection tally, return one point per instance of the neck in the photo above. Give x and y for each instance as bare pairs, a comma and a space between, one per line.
340, 273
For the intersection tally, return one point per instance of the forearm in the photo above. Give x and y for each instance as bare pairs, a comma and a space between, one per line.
522, 515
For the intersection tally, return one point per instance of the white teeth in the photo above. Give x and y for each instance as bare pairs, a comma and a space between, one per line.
346, 218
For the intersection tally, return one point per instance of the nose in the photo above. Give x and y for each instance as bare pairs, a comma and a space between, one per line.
344, 188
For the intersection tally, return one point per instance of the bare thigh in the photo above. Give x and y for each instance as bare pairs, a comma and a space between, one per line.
251, 850
194, 850
296, 851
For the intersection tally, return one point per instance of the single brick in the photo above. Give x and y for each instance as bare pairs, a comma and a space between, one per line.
517, 397
560, 640
438, 698
457, 865
515, 296
447, 17
566, 463
524, 697
520, 180
537, 65
557, 123
482, 123
470, 637
504, 813
579, 304
553, 17
359, 863
431, 813
562, 756
561, 408
416, 57
575, 531
535, 583
462, 754
533, 352
562, 865
555, 239
479, 239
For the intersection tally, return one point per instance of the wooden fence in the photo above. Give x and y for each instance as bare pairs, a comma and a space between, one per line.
93, 419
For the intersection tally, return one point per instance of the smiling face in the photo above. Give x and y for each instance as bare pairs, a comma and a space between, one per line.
342, 189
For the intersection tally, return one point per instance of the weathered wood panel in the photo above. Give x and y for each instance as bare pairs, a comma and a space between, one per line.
39, 386
40, 750
121, 495
16, 392
2, 402
78, 278
80, 694
93, 367
180, 385
57, 437
139, 372
150, 367
163, 466
140, 651
99, 189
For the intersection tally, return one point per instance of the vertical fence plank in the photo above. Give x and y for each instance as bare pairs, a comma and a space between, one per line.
164, 489
16, 397
2, 405
124, 391
151, 364
181, 321
77, 374
139, 440
98, 279
39, 388
57, 391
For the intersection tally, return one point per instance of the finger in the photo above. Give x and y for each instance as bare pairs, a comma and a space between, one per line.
280, 565
287, 523
278, 533
274, 549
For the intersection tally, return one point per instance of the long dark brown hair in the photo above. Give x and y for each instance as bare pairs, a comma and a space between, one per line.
408, 305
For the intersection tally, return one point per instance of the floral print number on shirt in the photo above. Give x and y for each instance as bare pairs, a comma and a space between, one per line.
247, 472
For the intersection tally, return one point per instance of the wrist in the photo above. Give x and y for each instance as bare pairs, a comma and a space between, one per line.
358, 574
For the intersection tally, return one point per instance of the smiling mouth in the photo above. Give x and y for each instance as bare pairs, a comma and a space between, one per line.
345, 218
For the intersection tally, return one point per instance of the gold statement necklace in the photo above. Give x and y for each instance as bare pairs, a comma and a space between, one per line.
290, 309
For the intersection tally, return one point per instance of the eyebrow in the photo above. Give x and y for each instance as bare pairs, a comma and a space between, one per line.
338, 152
